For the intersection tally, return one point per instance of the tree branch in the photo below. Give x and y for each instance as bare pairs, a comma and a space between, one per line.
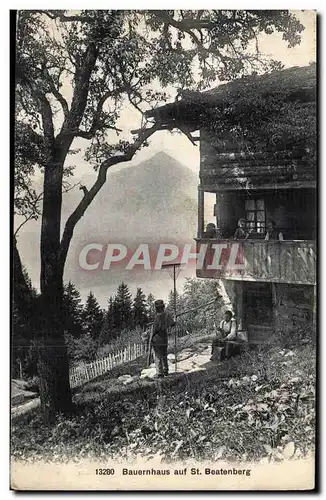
82, 81
187, 134
68, 187
58, 95
47, 118
66, 19
101, 178
186, 26
96, 123
84, 134
34, 213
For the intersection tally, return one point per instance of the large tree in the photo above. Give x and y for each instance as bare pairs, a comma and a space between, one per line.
75, 72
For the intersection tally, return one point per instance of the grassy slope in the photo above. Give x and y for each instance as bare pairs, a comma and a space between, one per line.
258, 406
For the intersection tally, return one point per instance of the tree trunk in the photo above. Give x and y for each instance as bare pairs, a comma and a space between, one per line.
53, 366
20, 285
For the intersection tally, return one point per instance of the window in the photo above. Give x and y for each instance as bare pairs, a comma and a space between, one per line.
255, 215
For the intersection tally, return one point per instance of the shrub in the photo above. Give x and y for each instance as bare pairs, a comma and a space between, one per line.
32, 384
83, 348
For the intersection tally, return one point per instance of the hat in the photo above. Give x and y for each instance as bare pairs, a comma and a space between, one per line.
159, 303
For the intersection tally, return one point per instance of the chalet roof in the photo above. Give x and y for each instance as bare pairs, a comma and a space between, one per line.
297, 83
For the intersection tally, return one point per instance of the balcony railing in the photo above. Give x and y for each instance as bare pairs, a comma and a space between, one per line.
257, 260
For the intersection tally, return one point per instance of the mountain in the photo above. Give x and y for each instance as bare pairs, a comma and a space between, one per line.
152, 202
155, 199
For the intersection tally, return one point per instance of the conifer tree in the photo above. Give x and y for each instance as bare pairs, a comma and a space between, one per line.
93, 317
139, 309
23, 327
150, 307
170, 303
72, 310
108, 330
122, 307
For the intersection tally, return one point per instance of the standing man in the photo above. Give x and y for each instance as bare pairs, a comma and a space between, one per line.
162, 322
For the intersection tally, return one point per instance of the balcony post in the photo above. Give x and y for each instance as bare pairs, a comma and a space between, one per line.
275, 305
314, 305
200, 227
239, 305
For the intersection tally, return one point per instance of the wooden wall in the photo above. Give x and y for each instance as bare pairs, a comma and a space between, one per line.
223, 165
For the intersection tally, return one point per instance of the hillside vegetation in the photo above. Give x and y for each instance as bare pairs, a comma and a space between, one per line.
257, 407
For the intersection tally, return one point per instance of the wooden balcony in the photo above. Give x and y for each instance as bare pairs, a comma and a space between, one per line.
258, 260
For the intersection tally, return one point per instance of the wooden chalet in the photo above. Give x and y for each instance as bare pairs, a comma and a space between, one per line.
275, 288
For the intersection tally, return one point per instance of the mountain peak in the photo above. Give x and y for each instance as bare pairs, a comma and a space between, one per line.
162, 155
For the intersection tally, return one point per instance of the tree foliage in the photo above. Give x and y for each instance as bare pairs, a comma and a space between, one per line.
123, 307
150, 307
93, 317
196, 295
75, 73
72, 310
139, 309
108, 332
24, 325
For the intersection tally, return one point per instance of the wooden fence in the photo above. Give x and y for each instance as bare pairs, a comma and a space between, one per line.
84, 372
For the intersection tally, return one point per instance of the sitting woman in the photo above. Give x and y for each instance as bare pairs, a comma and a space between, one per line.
228, 331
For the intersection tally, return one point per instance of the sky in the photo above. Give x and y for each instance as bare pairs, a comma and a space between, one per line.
174, 144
